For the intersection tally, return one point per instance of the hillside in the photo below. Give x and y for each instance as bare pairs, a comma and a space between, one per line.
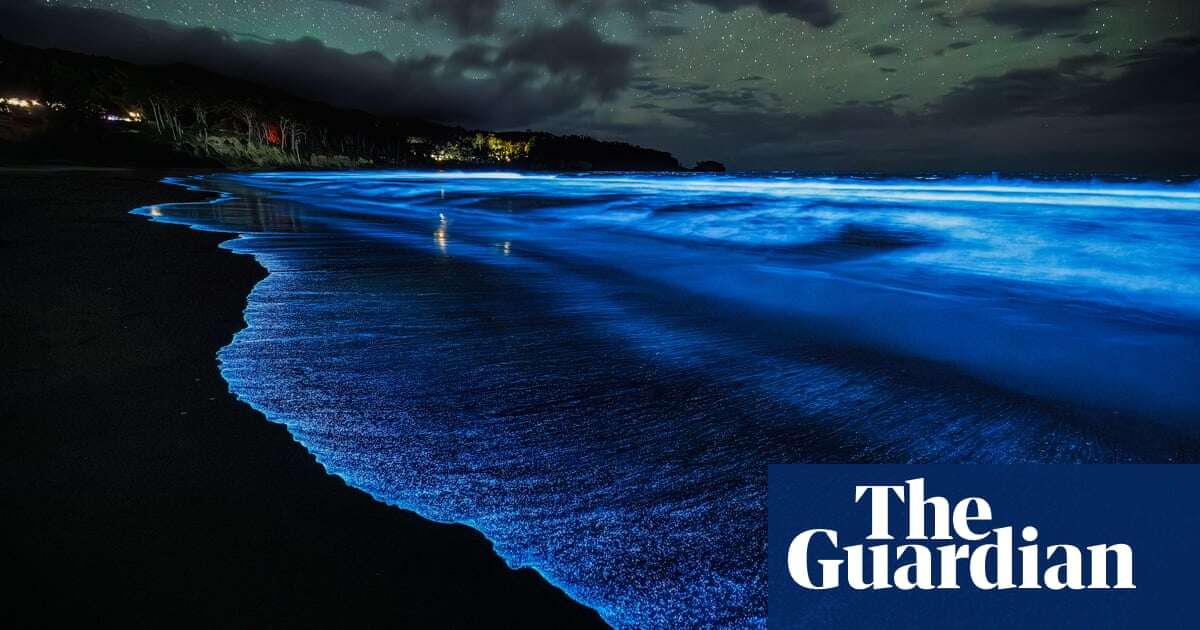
58, 105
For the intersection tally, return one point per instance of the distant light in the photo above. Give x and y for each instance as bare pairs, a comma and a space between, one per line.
23, 103
132, 117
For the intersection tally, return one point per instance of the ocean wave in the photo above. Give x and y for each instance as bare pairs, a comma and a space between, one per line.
594, 370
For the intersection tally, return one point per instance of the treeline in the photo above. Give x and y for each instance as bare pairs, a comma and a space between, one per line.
239, 134
103, 105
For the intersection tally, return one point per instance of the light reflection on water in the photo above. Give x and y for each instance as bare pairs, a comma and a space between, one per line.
594, 370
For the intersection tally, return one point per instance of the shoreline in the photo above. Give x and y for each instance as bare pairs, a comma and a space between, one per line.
139, 489
185, 182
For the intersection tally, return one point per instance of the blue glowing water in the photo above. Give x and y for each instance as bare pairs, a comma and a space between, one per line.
594, 370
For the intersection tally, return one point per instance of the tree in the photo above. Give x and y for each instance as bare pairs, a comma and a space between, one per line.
247, 115
166, 118
200, 114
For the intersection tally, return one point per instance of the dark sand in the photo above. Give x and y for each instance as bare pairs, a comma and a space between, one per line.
135, 489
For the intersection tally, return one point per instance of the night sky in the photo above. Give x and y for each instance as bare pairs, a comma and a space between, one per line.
894, 85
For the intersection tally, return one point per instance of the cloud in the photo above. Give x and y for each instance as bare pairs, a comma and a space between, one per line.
953, 46
937, 10
883, 50
576, 50
377, 5
818, 13
1148, 84
1016, 93
1133, 113
483, 18
664, 30
1030, 18
466, 17
548, 71
1083, 63
750, 94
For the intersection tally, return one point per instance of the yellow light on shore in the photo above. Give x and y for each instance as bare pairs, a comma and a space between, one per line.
29, 104
130, 117
23, 103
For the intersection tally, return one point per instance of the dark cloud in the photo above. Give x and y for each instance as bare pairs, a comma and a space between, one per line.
1148, 84
664, 30
744, 99
589, 8
1031, 19
751, 95
883, 50
466, 17
945, 19
1184, 41
819, 13
1133, 113
474, 17
471, 56
378, 5
937, 10
1017, 93
1156, 81
1083, 63
953, 46
574, 50
543, 73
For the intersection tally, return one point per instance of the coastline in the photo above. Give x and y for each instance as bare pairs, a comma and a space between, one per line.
138, 489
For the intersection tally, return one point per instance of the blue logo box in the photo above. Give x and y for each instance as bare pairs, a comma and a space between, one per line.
991, 546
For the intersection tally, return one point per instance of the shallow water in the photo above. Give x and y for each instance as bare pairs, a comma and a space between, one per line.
594, 370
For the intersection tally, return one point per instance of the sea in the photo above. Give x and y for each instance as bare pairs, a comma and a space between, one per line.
594, 370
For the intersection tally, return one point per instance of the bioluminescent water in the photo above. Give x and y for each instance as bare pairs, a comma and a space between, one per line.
594, 370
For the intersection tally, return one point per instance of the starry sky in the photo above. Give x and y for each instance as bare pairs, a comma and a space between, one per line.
858, 85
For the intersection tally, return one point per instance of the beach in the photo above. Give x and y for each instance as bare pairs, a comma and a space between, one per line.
593, 370
589, 372
137, 490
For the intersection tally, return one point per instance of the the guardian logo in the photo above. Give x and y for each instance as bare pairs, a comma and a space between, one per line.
973, 555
